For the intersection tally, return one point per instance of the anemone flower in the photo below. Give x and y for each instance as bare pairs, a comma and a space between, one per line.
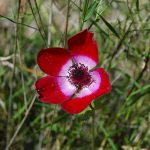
72, 79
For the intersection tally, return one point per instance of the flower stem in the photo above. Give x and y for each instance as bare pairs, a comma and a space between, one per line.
92, 128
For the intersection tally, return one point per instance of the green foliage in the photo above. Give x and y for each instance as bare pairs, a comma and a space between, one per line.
122, 32
85, 116
110, 26
90, 11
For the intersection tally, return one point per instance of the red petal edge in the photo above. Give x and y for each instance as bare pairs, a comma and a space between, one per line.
49, 91
77, 105
105, 86
84, 44
50, 60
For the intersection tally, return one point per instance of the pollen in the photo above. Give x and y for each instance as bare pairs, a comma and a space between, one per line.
79, 75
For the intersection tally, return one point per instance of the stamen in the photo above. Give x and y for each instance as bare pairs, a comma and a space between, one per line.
79, 75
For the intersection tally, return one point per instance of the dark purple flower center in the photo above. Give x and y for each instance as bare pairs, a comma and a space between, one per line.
79, 75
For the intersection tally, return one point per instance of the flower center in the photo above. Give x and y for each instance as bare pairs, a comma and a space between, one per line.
79, 75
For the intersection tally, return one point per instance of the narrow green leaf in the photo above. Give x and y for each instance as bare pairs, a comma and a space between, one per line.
102, 5
90, 11
59, 119
137, 5
86, 3
100, 29
143, 89
107, 136
110, 26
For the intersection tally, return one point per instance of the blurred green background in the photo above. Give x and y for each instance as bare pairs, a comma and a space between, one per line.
122, 31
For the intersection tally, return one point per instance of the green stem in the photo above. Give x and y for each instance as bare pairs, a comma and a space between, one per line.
92, 128
93, 133
86, 3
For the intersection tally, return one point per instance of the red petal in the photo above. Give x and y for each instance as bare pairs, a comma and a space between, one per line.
76, 105
49, 91
50, 60
84, 44
105, 86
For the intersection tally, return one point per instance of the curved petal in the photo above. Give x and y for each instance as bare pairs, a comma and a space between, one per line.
87, 61
76, 105
98, 88
105, 86
84, 44
51, 60
49, 90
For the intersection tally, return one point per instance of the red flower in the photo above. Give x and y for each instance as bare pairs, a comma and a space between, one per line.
72, 79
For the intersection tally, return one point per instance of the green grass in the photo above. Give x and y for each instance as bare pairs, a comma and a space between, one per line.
122, 31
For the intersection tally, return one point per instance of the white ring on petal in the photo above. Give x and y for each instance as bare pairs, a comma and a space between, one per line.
65, 68
87, 61
93, 87
66, 87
